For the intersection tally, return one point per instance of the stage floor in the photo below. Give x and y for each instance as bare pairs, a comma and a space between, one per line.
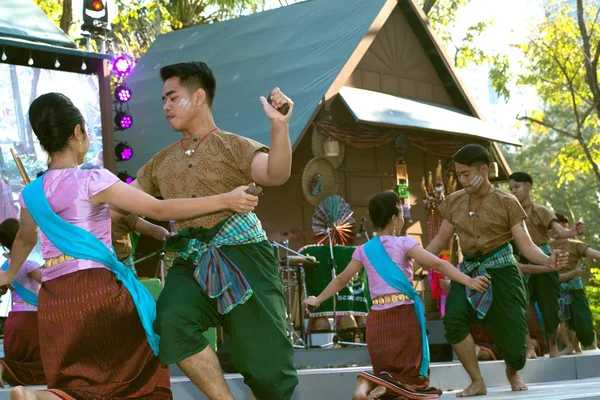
568, 377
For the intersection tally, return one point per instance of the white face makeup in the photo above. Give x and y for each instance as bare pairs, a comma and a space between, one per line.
476, 181
184, 103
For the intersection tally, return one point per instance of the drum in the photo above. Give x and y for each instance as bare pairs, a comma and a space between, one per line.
353, 300
288, 276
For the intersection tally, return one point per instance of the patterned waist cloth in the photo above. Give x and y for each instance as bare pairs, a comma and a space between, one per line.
216, 274
477, 265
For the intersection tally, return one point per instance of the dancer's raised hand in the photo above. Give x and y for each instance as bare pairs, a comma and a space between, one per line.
277, 106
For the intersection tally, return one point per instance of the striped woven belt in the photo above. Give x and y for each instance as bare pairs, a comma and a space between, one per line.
390, 299
51, 262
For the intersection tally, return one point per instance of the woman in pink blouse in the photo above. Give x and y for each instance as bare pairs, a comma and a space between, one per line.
22, 363
96, 334
393, 329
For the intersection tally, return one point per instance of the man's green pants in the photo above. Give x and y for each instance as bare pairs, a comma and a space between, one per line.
507, 316
581, 320
261, 350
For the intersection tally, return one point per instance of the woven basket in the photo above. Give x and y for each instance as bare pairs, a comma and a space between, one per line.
318, 142
322, 166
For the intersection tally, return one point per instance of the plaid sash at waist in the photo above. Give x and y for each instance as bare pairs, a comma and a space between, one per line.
476, 265
216, 274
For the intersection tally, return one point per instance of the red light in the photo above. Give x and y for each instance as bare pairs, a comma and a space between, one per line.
97, 5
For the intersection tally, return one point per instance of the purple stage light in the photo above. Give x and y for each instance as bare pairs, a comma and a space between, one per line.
123, 120
123, 152
125, 177
123, 94
126, 154
122, 65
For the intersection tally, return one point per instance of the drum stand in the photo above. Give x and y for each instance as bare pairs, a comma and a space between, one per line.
336, 339
296, 340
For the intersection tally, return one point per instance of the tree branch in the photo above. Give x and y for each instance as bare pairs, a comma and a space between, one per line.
589, 157
547, 125
591, 75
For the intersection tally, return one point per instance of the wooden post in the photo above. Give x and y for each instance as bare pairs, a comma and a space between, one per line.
108, 137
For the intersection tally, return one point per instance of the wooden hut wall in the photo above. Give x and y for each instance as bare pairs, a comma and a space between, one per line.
395, 64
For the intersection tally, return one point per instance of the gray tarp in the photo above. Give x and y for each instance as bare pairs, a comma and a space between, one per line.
300, 48
384, 109
23, 19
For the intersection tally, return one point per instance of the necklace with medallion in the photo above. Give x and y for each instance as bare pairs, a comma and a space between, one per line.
472, 213
190, 152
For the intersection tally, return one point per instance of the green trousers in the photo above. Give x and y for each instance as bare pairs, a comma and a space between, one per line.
581, 320
544, 289
261, 350
507, 316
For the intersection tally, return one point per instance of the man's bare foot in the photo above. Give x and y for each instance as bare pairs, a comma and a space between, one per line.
531, 354
363, 387
516, 383
475, 389
377, 393
554, 352
566, 351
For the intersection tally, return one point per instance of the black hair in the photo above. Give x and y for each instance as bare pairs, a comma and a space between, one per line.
472, 155
521, 177
193, 76
382, 207
8, 231
561, 218
53, 118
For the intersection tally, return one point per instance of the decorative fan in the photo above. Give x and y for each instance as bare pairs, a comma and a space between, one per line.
335, 214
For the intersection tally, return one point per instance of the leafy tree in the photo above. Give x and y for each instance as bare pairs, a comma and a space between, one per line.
60, 11
463, 50
576, 198
562, 65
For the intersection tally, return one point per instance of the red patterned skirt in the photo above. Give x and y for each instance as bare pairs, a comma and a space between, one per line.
22, 362
93, 344
396, 351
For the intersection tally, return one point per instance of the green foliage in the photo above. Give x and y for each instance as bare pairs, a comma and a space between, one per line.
577, 198
135, 28
464, 50
186, 13
555, 67
52, 8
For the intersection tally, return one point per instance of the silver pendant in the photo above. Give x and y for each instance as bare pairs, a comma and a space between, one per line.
189, 152
471, 213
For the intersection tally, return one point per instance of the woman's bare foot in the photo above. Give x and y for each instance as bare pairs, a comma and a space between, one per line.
377, 393
531, 354
19, 393
1, 374
363, 387
516, 383
475, 389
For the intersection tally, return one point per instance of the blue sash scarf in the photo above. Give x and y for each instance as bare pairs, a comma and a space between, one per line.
78, 243
27, 295
389, 271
